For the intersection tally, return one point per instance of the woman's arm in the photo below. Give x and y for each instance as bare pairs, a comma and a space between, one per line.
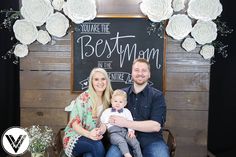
93, 134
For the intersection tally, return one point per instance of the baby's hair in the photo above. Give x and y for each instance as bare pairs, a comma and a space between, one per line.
119, 92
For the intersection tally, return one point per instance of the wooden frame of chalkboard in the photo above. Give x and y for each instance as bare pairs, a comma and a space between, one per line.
112, 43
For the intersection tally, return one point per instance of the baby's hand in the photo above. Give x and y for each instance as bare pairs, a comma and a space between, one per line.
131, 134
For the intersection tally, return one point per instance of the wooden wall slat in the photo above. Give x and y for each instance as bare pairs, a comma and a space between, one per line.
47, 61
187, 119
61, 80
172, 67
187, 82
45, 79
46, 98
187, 100
41, 116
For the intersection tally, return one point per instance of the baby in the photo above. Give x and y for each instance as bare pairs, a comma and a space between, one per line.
121, 136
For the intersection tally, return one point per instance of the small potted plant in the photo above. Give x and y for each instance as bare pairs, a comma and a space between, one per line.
40, 140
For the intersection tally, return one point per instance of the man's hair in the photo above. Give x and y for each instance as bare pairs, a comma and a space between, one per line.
119, 92
142, 60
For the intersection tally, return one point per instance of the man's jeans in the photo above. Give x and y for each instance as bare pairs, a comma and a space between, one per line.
156, 149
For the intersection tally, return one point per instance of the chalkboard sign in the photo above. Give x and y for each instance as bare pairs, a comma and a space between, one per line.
113, 44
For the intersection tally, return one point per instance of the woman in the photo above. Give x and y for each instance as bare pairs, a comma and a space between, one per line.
82, 134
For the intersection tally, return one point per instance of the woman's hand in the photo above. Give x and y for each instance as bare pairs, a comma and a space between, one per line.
95, 134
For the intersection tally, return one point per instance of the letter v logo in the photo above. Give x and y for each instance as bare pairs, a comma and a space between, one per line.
15, 144
15, 141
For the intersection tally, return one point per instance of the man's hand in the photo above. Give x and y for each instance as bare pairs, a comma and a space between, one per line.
119, 121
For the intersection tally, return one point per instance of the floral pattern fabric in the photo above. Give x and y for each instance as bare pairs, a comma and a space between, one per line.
82, 115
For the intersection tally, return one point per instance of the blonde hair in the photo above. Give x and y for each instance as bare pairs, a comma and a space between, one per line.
106, 94
119, 92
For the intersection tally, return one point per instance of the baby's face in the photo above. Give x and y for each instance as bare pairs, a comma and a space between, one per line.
118, 102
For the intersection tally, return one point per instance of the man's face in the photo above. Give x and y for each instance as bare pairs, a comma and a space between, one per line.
140, 73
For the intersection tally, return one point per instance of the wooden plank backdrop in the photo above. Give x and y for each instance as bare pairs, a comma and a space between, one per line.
45, 91
45, 87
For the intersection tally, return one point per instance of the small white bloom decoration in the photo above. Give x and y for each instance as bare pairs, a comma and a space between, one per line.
36, 11
157, 10
25, 31
207, 51
43, 37
21, 50
189, 44
204, 10
204, 32
57, 24
179, 26
80, 10
178, 5
58, 4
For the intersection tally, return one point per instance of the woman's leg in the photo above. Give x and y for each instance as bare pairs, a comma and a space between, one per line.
156, 149
113, 151
85, 145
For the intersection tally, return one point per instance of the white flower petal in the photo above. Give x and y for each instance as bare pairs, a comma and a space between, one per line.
43, 37
80, 10
57, 24
58, 4
178, 5
157, 10
204, 32
207, 51
21, 50
36, 11
179, 26
25, 31
189, 44
204, 10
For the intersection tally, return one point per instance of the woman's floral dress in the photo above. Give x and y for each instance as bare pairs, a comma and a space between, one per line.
82, 115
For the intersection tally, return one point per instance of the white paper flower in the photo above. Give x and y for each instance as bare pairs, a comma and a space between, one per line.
207, 51
204, 32
157, 10
21, 50
25, 31
80, 10
57, 24
58, 4
178, 5
43, 37
189, 44
36, 11
204, 10
179, 26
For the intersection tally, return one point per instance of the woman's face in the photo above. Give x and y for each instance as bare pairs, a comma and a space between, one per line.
99, 82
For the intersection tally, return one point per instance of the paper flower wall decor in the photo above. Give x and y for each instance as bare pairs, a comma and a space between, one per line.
207, 51
189, 44
157, 10
80, 11
57, 24
43, 37
36, 11
193, 21
25, 31
179, 26
204, 32
204, 10
21, 50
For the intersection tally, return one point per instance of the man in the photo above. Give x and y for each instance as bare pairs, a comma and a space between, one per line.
148, 109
